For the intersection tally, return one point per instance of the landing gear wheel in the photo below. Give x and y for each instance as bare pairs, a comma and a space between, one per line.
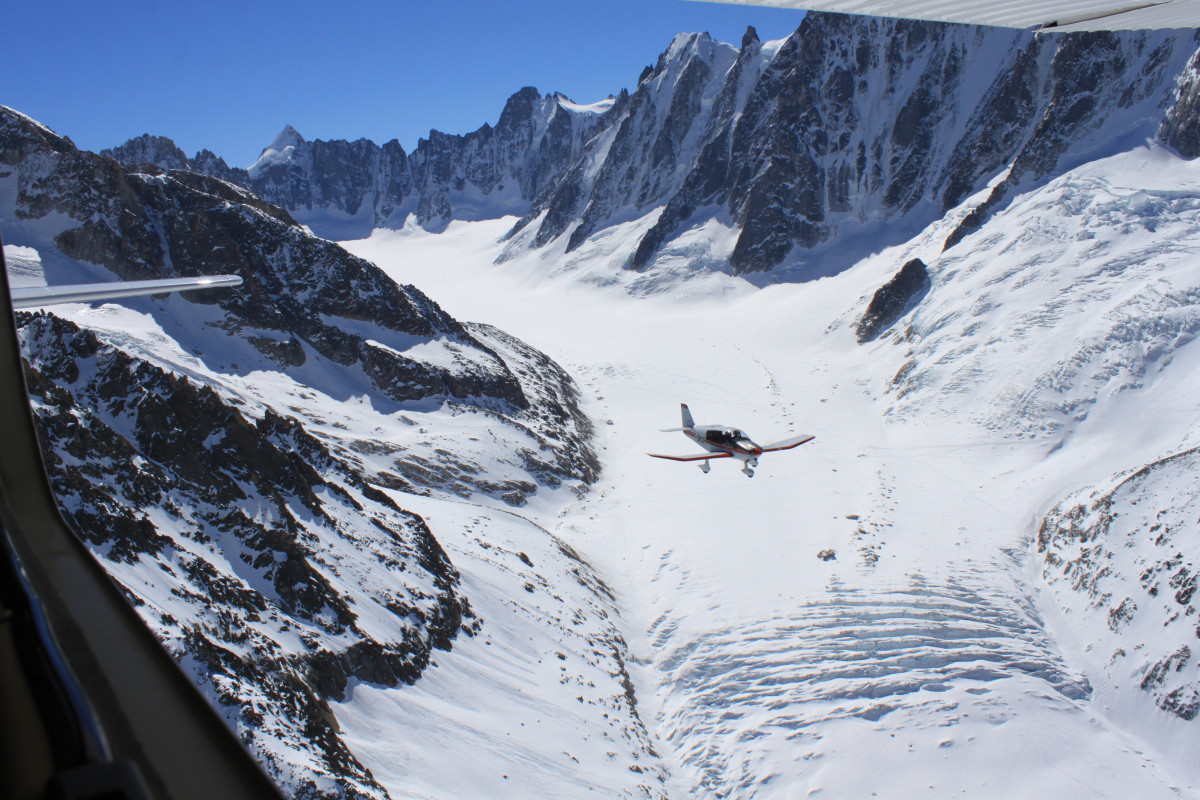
749, 472
704, 467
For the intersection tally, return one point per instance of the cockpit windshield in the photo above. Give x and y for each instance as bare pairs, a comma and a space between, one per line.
726, 437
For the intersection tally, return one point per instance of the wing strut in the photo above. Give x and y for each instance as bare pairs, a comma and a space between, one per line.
33, 297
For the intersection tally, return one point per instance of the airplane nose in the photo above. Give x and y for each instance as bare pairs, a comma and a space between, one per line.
750, 446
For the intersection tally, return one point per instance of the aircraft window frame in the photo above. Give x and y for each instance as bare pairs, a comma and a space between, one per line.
140, 717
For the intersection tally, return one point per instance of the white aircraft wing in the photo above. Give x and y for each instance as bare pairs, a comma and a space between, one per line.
36, 296
788, 444
1056, 15
701, 457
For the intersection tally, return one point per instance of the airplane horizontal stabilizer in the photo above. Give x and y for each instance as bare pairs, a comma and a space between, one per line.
701, 457
788, 444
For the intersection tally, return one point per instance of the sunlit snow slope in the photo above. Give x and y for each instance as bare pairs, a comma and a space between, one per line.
870, 615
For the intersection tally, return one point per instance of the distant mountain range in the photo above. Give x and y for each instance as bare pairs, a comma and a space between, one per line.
346, 189
809, 152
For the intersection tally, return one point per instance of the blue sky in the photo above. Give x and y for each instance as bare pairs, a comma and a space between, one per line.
229, 75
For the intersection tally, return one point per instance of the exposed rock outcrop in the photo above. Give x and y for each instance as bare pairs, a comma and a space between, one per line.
850, 130
892, 300
345, 189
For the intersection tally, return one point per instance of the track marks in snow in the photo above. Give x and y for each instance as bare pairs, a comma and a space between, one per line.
871, 529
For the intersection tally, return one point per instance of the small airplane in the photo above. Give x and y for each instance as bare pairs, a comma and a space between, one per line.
722, 441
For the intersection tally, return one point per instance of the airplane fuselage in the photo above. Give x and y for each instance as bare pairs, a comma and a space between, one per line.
727, 440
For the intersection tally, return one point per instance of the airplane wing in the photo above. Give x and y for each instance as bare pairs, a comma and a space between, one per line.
1052, 15
702, 457
788, 444
36, 296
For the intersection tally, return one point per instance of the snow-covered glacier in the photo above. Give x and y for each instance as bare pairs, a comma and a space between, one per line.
910, 604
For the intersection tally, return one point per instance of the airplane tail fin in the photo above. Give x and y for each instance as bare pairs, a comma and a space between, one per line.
688, 422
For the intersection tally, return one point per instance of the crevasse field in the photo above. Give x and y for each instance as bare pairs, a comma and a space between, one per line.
937, 654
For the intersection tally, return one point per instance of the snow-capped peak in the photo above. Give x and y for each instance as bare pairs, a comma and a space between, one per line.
288, 137
282, 148
686, 46
599, 107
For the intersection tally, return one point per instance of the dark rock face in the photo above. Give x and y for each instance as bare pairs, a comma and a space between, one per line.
853, 125
250, 530
892, 300
911, 150
998, 126
246, 534
209, 163
554, 413
509, 165
645, 152
158, 151
1181, 129
308, 177
1101, 88
307, 307
647, 143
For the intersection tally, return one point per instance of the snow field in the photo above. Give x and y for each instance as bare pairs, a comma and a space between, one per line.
917, 661
531, 706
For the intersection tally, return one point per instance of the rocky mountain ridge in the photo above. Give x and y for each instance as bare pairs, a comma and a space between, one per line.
229, 456
345, 189
306, 308
854, 132
812, 151
239, 554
